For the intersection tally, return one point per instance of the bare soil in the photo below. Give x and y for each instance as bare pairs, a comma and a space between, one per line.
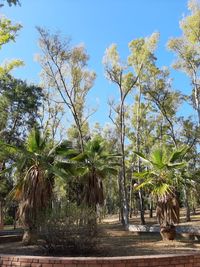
115, 241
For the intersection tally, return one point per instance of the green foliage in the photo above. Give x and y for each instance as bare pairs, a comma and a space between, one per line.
71, 231
8, 31
92, 166
19, 108
161, 176
187, 51
35, 178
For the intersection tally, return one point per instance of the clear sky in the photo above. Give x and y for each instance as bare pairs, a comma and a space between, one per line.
97, 24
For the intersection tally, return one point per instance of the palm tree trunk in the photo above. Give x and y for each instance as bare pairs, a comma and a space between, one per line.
30, 237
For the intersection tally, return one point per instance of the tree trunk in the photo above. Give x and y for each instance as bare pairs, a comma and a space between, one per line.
122, 174
29, 237
141, 203
1, 215
196, 96
138, 118
186, 204
123, 203
168, 232
150, 208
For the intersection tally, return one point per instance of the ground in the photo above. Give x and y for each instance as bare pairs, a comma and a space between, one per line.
115, 241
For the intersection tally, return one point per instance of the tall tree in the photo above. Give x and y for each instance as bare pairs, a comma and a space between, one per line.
126, 80
187, 50
8, 32
19, 108
65, 70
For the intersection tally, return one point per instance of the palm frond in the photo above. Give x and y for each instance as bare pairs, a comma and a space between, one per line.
178, 154
80, 157
33, 141
177, 165
157, 158
161, 190
143, 158
146, 184
141, 174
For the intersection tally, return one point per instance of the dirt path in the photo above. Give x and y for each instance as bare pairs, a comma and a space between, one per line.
115, 241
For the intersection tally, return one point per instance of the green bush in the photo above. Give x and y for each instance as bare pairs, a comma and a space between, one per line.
8, 220
70, 232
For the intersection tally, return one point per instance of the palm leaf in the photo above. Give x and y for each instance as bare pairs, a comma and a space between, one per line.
141, 174
60, 173
176, 165
80, 158
105, 171
82, 171
33, 141
145, 184
161, 190
157, 158
142, 157
178, 154
67, 153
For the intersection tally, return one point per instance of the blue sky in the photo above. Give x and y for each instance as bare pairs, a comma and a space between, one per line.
97, 24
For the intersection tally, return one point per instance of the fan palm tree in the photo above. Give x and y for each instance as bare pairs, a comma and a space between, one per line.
93, 165
161, 180
35, 180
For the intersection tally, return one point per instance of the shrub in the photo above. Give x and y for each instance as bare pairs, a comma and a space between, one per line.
72, 232
8, 220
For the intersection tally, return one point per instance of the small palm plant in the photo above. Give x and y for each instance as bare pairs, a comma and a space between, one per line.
35, 180
160, 179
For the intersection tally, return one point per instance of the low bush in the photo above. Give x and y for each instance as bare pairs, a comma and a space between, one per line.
72, 232
8, 220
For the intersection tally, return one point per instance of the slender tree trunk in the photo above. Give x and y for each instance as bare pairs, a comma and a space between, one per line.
196, 96
122, 174
150, 208
141, 201
187, 206
123, 203
193, 209
130, 201
1, 215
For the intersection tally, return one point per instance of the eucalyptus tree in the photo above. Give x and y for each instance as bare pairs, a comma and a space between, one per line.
126, 79
189, 136
158, 89
8, 33
145, 122
50, 116
64, 69
187, 51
